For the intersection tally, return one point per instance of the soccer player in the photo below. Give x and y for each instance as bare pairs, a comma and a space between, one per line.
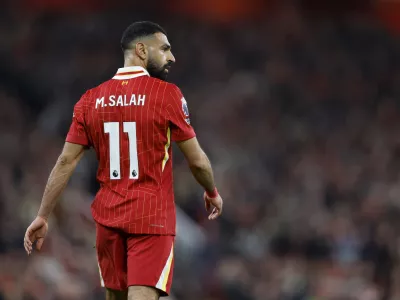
130, 121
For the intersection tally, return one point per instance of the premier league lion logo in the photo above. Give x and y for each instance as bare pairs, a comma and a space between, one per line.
185, 108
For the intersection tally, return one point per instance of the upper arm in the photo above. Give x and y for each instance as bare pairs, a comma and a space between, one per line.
71, 153
191, 150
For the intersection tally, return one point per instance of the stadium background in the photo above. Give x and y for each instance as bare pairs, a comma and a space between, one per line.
297, 105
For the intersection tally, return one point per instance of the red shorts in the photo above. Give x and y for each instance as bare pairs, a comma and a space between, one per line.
134, 259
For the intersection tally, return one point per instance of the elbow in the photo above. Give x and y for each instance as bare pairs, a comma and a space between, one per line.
64, 160
70, 155
199, 164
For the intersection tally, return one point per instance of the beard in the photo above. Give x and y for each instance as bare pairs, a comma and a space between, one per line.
158, 71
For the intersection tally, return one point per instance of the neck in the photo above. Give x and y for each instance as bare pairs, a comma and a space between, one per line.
133, 62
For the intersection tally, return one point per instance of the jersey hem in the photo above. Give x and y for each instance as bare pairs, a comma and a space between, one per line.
77, 140
144, 232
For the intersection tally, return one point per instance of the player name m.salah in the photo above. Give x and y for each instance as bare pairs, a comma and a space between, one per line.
121, 100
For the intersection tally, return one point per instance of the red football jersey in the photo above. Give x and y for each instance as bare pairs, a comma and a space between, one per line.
130, 121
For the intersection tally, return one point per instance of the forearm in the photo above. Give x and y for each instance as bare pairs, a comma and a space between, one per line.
203, 173
56, 184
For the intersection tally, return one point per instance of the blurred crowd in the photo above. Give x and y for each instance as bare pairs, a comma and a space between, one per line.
300, 118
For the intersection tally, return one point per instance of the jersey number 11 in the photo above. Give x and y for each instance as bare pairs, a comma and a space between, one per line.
112, 128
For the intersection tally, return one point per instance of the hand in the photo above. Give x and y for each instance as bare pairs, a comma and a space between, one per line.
216, 202
36, 232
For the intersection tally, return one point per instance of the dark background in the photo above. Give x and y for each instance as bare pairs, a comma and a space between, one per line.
297, 105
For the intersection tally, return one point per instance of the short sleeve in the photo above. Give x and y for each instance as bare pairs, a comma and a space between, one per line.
178, 115
77, 132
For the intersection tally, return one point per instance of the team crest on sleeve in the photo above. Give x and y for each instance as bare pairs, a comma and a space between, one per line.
185, 110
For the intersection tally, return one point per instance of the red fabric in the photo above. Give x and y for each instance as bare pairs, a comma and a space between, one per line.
132, 259
221, 10
144, 205
212, 194
388, 11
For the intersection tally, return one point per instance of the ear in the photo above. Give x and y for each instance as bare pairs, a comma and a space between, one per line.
141, 50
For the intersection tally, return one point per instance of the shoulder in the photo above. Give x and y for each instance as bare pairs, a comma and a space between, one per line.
166, 86
174, 88
166, 90
173, 92
91, 94
84, 100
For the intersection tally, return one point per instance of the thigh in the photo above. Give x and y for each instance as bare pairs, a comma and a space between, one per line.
112, 257
151, 261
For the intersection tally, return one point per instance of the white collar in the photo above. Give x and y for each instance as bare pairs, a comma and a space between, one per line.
130, 72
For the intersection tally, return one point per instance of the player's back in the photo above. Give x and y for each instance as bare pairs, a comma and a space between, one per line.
128, 127
128, 120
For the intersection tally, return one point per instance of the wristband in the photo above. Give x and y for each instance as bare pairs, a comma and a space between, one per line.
213, 194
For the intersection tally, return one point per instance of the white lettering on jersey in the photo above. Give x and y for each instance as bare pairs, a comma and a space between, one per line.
141, 100
122, 100
112, 101
100, 101
133, 100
